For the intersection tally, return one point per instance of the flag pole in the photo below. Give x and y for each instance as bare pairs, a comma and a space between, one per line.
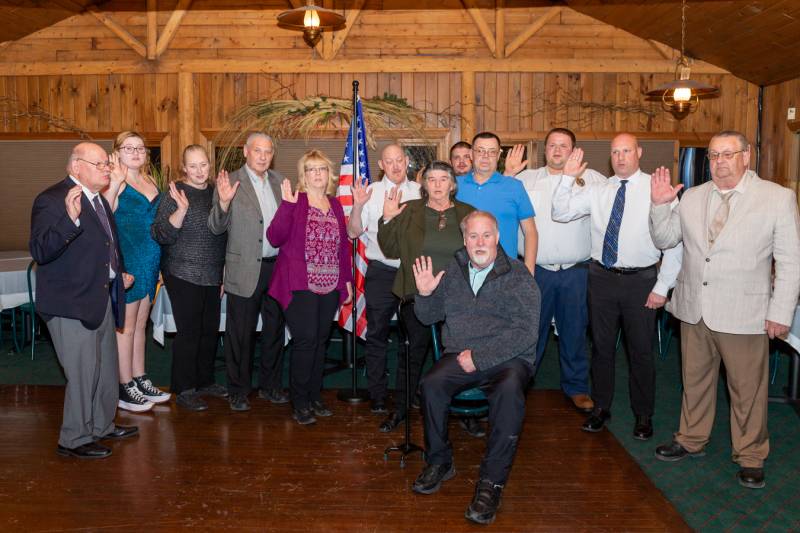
354, 394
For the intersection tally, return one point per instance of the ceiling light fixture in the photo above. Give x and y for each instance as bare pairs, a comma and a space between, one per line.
312, 21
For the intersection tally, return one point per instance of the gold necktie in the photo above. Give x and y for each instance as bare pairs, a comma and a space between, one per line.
720, 217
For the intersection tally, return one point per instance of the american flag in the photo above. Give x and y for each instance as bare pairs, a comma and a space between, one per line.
345, 196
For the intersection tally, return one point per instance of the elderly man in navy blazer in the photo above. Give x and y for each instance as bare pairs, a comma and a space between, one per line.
79, 293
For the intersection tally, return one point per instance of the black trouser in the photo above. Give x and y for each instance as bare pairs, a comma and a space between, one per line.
419, 338
309, 316
504, 385
196, 312
240, 329
381, 306
614, 297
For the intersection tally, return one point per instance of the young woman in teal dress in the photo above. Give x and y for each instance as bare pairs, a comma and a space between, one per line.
134, 198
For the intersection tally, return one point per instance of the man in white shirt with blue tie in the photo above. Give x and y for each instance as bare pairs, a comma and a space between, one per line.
562, 267
625, 284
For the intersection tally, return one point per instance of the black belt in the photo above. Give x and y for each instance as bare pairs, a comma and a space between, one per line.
624, 271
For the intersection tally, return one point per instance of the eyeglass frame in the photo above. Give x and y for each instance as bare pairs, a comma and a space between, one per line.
488, 153
131, 149
99, 165
725, 156
316, 170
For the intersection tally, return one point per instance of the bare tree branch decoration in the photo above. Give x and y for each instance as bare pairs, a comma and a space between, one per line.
13, 109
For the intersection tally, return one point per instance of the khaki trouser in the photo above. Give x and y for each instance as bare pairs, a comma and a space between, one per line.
746, 359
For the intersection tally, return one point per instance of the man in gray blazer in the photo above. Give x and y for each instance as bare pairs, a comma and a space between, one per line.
249, 262
733, 228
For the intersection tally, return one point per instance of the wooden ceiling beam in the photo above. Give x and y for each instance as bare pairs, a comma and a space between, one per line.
119, 31
412, 64
531, 30
499, 29
481, 24
352, 16
662, 49
172, 26
152, 28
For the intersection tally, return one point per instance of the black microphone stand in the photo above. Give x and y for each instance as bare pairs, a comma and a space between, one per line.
407, 447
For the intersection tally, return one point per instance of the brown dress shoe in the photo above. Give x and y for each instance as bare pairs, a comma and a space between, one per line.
582, 403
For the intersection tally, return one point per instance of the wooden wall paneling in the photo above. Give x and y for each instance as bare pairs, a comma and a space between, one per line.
501, 101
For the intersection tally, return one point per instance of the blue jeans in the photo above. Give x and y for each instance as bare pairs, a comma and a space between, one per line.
564, 297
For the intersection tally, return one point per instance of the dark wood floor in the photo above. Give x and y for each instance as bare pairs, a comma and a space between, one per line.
261, 471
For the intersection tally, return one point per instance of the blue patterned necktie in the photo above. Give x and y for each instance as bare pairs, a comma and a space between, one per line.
611, 241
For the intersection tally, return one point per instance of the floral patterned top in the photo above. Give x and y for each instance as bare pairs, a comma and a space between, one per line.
322, 251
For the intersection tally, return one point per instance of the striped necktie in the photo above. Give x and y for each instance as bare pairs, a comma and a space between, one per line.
112, 248
611, 240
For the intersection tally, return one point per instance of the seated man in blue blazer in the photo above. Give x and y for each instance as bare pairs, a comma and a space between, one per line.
80, 283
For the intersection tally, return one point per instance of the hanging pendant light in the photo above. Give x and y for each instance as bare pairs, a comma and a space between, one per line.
311, 20
682, 95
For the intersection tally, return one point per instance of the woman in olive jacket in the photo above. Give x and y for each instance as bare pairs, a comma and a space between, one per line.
429, 226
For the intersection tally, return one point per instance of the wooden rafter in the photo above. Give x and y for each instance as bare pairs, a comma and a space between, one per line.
531, 30
119, 31
499, 29
172, 26
338, 40
481, 24
152, 28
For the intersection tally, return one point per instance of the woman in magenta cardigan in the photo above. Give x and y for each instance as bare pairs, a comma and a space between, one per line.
312, 276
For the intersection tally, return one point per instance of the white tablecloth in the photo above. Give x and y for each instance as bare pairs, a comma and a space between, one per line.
164, 322
13, 279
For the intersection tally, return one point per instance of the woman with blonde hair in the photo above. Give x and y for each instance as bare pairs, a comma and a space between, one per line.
312, 275
192, 261
134, 198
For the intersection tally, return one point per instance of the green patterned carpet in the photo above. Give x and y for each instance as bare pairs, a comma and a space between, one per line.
704, 490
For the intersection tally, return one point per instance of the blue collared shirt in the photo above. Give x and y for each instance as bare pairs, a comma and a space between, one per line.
502, 196
477, 277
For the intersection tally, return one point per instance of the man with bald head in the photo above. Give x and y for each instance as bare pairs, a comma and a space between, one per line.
734, 228
80, 284
381, 302
625, 283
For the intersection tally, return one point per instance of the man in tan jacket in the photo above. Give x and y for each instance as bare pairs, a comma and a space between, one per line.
732, 229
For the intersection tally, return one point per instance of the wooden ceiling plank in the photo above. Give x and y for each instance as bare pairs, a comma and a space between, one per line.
481, 24
352, 17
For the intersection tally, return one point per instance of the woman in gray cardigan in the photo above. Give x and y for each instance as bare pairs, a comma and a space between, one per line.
192, 261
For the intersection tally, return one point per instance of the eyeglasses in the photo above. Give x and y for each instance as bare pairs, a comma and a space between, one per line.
727, 156
482, 153
315, 170
131, 149
442, 221
100, 165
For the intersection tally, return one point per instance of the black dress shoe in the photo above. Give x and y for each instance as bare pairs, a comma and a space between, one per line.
378, 407
431, 478
675, 452
304, 416
391, 422
90, 450
485, 503
596, 421
191, 400
643, 429
473, 427
319, 408
752, 478
121, 432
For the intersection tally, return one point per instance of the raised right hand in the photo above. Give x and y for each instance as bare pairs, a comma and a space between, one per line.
423, 275
391, 204
73, 202
179, 197
225, 190
661, 189
286, 192
575, 165
361, 193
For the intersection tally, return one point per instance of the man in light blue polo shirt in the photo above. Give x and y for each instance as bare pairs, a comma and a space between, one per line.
503, 196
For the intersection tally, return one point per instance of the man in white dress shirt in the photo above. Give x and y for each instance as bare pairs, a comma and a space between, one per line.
381, 302
625, 283
562, 266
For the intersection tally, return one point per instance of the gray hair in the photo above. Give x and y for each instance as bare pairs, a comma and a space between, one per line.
744, 144
256, 134
475, 214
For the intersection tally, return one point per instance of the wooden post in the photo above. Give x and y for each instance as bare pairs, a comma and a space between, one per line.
186, 110
499, 29
152, 28
467, 105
